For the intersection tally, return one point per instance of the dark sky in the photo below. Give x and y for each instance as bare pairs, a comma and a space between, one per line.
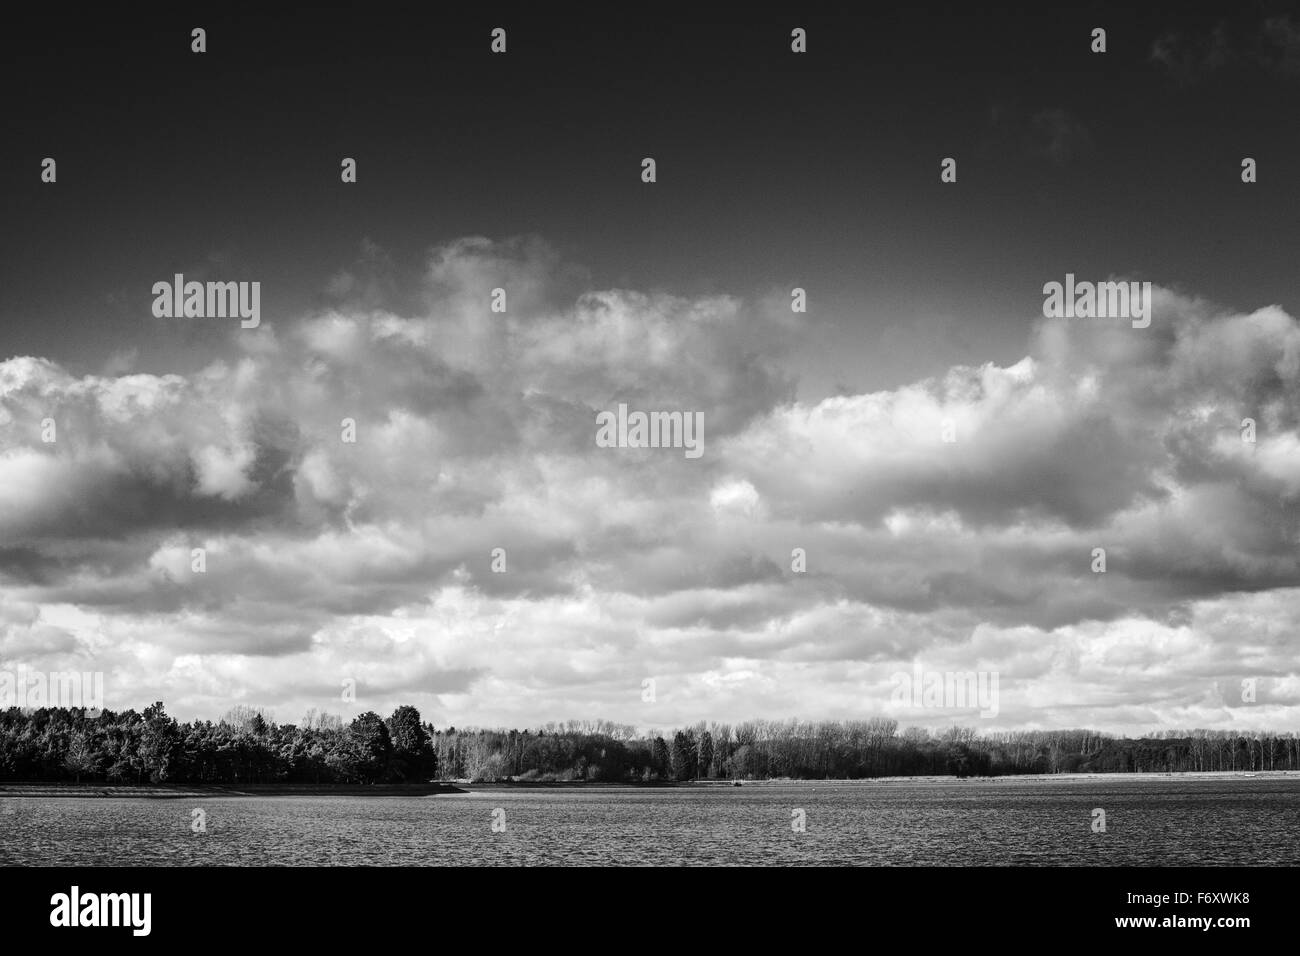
775, 170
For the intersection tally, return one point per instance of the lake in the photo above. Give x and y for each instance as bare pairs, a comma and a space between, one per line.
1043, 821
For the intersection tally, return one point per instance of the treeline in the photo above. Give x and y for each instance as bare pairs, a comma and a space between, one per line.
57, 744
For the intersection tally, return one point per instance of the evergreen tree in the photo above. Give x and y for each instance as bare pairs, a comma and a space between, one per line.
371, 746
158, 737
660, 759
413, 757
682, 757
706, 755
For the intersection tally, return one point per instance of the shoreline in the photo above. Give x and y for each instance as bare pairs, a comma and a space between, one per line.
152, 792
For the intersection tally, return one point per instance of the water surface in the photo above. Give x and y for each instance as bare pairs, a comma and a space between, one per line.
881, 823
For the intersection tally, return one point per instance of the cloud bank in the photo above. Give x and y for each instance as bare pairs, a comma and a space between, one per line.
372, 560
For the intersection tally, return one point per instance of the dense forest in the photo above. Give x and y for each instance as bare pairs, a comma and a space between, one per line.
57, 744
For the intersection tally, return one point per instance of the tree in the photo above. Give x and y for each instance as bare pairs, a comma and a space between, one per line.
371, 746
81, 757
682, 757
660, 759
691, 750
413, 755
705, 763
158, 736
739, 764
242, 718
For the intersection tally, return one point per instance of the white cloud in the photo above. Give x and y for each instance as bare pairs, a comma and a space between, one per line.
475, 431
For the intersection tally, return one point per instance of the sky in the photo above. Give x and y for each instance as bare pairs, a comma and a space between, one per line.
329, 561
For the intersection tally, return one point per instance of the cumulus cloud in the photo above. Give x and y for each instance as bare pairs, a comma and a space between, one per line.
330, 560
